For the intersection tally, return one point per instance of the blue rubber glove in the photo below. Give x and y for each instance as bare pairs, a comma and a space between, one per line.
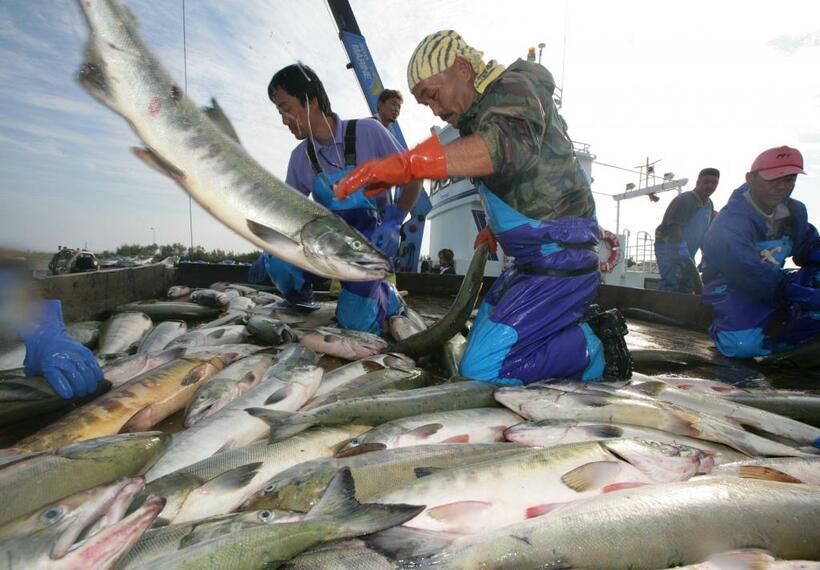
290, 280
683, 250
386, 236
807, 296
257, 273
68, 366
814, 256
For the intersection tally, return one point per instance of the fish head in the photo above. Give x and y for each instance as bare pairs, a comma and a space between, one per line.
662, 462
139, 448
290, 491
207, 401
268, 516
397, 360
363, 444
545, 432
55, 530
106, 547
334, 248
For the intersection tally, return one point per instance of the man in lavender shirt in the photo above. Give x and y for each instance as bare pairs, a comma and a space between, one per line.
329, 149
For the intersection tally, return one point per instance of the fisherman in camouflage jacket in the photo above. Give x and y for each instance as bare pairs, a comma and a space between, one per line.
535, 321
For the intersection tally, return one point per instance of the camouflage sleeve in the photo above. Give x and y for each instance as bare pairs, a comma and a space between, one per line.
513, 123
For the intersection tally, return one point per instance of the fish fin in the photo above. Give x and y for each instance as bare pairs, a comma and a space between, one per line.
402, 542
282, 424
250, 379
353, 518
158, 163
91, 77
143, 420
271, 236
220, 120
281, 394
271, 417
360, 449
593, 475
651, 388
542, 509
424, 431
590, 400
619, 486
425, 471
458, 511
230, 480
271, 564
765, 473
216, 334
604, 431
460, 438
193, 376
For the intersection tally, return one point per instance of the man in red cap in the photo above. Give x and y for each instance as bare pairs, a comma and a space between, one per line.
744, 253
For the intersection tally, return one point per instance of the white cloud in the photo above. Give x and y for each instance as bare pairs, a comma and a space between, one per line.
792, 43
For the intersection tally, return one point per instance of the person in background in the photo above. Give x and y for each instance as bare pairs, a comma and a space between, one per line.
388, 107
331, 147
68, 366
682, 230
759, 307
534, 322
446, 262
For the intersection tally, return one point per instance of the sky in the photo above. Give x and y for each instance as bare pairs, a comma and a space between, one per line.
688, 83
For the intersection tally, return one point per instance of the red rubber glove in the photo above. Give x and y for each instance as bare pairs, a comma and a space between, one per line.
425, 161
486, 235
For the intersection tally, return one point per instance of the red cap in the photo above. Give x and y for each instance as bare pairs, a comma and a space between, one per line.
778, 162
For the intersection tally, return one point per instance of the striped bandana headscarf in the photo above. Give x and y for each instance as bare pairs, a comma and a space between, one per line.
438, 51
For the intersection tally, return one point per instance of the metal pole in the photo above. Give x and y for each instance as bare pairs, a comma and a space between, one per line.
154, 235
618, 217
185, 77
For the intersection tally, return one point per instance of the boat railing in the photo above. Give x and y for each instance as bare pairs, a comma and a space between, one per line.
640, 253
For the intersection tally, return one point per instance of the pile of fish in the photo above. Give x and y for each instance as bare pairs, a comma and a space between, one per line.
234, 431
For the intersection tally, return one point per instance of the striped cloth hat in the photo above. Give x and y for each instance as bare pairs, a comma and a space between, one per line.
438, 51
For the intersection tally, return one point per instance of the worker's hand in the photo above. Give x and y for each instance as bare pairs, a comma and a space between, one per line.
386, 237
257, 273
69, 367
426, 161
683, 250
486, 235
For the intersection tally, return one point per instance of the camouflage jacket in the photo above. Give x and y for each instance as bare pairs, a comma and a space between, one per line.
535, 169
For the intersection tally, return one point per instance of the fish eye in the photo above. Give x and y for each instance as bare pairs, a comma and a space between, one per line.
266, 516
52, 515
353, 442
269, 489
356, 244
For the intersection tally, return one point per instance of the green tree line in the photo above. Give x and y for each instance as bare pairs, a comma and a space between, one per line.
160, 252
